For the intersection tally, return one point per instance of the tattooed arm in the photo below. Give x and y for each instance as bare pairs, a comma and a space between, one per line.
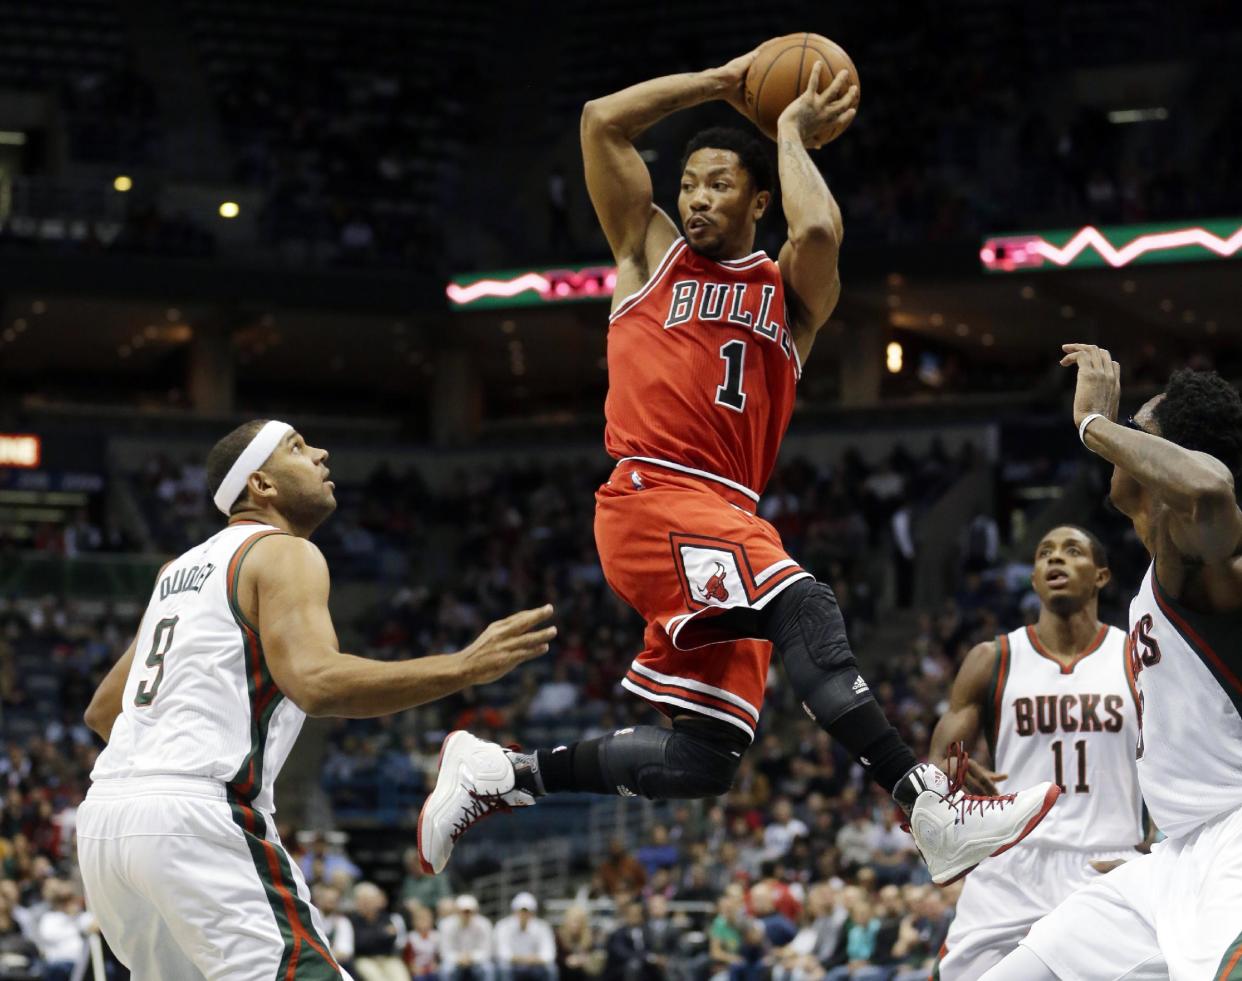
617, 180
808, 260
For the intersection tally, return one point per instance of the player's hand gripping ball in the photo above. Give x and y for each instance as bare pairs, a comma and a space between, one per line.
782, 71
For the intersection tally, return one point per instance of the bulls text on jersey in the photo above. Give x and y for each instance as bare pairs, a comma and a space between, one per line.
728, 303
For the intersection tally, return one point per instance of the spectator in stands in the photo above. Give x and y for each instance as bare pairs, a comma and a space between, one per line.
17, 954
58, 931
338, 929
620, 871
418, 886
782, 830
816, 944
902, 527
923, 931
324, 859
660, 852
856, 841
860, 933
422, 946
777, 927
556, 696
629, 956
525, 946
893, 852
379, 936
466, 943
578, 957
664, 933
724, 936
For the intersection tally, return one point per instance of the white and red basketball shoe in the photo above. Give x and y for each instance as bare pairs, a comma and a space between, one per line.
476, 780
955, 830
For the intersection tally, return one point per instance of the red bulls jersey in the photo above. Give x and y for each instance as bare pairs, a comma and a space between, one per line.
702, 369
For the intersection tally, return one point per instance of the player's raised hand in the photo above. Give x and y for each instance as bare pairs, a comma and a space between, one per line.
507, 643
1099, 381
815, 115
732, 75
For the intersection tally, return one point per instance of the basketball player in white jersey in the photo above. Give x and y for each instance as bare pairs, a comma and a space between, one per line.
1054, 702
1177, 912
176, 841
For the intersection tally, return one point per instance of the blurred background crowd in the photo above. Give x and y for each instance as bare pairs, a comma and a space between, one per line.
214, 210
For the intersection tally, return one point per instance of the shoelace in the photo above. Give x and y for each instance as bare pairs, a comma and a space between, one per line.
958, 798
480, 807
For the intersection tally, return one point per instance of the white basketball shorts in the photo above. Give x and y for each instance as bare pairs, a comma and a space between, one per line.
188, 884
1176, 913
1005, 896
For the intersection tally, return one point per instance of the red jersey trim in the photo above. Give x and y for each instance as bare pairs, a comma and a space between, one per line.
674, 250
698, 687
684, 703
696, 473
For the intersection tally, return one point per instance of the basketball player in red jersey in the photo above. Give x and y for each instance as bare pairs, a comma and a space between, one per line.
707, 339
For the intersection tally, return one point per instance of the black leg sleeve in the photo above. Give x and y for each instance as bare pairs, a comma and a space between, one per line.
805, 625
698, 757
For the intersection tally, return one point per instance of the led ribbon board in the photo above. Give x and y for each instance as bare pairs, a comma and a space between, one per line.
1115, 246
530, 287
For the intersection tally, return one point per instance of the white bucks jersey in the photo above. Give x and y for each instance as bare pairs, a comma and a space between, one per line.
1073, 724
199, 700
1188, 666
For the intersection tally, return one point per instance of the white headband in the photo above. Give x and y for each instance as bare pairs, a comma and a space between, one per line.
251, 459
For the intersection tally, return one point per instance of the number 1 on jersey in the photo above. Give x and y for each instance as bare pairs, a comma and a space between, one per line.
159, 650
730, 394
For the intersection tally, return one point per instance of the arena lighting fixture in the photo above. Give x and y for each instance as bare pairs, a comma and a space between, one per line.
1154, 114
893, 357
533, 287
23, 451
122, 183
10, 137
229, 209
1116, 246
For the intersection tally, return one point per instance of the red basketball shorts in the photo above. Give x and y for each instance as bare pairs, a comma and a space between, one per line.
681, 550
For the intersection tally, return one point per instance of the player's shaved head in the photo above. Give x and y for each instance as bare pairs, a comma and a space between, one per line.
225, 453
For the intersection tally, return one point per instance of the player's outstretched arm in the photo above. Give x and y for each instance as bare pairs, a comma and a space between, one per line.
964, 720
617, 179
1197, 488
284, 591
808, 260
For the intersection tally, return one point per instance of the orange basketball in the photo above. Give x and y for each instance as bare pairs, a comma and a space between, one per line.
781, 72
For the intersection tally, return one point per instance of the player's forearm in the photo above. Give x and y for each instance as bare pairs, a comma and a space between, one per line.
351, 687
1185, 480
633, 110
105, 705
953, 727
810, 208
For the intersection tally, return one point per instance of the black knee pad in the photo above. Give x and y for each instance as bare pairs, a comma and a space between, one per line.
805, 625
696, 758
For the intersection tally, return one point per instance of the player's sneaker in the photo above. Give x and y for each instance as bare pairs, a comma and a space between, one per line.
955, 830
476, 780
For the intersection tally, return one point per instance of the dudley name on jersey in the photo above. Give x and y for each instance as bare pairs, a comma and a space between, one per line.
1188, 667
1076, 725
199, 700
702, 368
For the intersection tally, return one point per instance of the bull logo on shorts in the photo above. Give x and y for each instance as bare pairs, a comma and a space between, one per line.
714, 588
